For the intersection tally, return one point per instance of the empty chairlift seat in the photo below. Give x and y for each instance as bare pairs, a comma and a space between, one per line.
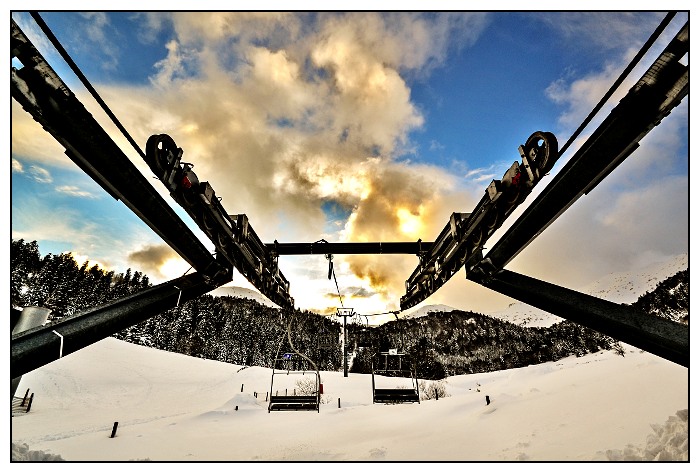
286, 394
395, 365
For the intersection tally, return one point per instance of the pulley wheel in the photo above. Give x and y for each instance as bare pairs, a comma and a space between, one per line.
542, 148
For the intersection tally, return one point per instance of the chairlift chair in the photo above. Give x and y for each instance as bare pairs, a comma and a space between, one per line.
297, 365
392, 363
289, 365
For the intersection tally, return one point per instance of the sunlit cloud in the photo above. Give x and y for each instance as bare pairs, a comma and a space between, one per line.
291, 127
283, 113
409, 222
40, 174
30, 140
75, 191
82, 259
158, 260
17, 166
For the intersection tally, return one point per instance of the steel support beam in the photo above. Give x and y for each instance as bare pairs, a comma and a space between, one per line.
662, 337
39, 346
370, 248
659, 90
43, 94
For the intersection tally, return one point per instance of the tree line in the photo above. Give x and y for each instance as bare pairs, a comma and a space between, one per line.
58, 283
244, 332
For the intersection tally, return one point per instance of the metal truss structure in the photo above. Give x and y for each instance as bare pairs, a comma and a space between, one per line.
43, 94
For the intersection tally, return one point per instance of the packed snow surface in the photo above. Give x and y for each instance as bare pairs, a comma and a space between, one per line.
171, 407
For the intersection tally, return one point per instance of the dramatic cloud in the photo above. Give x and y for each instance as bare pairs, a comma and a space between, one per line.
159, 260
284, 113
288, 115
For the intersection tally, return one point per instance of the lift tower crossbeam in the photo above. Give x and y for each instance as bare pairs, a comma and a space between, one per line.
43, 94
39, 346
663, 86
361, 248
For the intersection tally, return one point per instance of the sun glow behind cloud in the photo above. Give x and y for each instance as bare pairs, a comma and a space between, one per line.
283, 113
409, 223
173, 268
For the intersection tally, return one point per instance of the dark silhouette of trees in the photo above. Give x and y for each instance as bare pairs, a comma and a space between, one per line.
245, 332
58, 283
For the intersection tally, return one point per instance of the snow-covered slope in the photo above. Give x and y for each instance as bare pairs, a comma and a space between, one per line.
236, 291
625, 288
622, 287
172, 407
425, 310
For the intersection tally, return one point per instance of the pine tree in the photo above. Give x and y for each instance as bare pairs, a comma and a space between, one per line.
25, 262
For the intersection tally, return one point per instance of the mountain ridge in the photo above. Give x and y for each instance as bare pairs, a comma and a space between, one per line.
623, 287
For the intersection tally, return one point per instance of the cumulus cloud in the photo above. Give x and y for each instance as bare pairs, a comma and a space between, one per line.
159, 260
282, 113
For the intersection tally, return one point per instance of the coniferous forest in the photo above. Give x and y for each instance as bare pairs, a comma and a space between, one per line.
244, 332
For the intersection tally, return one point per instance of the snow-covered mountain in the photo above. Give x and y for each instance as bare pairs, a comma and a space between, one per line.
625, 288
242, 292
621, 287
425, 310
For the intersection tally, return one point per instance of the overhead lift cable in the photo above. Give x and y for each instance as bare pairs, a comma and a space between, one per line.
611, 143
661, 88
74, 67
42, 93
331, 272
645, 48
462, 240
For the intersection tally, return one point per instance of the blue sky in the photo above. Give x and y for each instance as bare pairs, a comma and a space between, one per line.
354, 127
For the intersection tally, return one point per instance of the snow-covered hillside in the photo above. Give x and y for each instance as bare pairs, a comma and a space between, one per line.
242, 292
425, 310
622, 288
625, 288
172, 407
